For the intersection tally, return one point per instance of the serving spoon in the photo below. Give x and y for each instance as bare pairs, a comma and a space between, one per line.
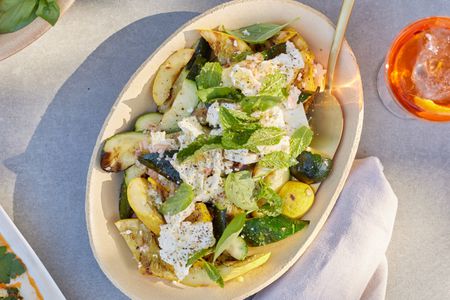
325, 113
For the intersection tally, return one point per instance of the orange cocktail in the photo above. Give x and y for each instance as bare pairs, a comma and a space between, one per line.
417, 69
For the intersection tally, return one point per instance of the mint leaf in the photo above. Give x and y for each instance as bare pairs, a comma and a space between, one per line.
201, 144
235, 140
48, 10
220, 92
210, 76
10, 266
273, 85
179, 201
198, 255
277, 160
213, 273
264, 137
300, 139
239, 188
237, 120
270, 202
232, 231
258, 33
259, 103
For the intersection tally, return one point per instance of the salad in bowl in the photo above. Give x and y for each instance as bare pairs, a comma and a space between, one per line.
224, 165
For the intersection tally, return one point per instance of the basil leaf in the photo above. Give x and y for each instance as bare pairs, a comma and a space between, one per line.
235, 140
210, 76
10, 266
259, 103
258, 33
198, 255
240, 56
213, 273
239, 188
236, 120
265, 137
232, 231
277, 160
201, 144
271, 201
300, 139
273, 85
48, 10
214, 93
179, 201
16, 14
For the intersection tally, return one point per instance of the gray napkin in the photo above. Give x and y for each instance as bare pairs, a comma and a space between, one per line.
347, 259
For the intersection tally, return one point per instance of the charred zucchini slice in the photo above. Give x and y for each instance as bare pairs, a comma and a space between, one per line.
119, 151
148, 121
161, 164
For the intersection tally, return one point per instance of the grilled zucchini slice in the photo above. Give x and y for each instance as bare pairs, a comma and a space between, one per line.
119, 151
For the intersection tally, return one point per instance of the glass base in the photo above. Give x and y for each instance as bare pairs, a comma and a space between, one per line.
386, 98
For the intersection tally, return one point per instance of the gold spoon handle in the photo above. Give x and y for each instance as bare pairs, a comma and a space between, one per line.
344, 16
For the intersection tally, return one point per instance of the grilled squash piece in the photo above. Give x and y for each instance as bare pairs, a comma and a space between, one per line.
119, 151
143, 205
225, 46
143, 246
198, 277
168, 73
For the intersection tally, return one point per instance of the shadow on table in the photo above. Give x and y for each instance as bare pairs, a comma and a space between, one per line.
49, 193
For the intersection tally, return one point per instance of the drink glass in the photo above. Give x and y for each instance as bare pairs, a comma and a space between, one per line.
414, 80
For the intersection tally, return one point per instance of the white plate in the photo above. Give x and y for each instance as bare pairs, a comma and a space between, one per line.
44, 282
102, 189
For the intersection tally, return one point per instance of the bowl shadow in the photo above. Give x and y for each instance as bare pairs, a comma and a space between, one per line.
49, 194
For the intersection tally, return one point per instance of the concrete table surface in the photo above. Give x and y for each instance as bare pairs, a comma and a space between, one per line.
55, 95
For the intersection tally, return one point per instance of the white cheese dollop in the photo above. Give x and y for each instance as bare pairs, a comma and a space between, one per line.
272, 117
242, 156
178, 242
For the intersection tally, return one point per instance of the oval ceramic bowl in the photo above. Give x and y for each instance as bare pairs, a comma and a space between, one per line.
102, 189
11, 43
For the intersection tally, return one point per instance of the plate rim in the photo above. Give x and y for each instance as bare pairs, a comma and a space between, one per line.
29, 257
333, 199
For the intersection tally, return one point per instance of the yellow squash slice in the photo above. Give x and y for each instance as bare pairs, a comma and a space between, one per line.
168, 73
224, 45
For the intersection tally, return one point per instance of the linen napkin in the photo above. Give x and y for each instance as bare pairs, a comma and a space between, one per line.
347, 259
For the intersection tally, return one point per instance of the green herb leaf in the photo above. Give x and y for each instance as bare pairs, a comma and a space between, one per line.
258, 33
271, 202
239, 188
16, 14
198, 255
10, 266
213, 273
48, 10
236, 120
220, 92
277, 160
273, 85
201, 144
240, 56
232, 231
300, 139
179, 201
233, 140
210, 76
264, 137
259, 103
